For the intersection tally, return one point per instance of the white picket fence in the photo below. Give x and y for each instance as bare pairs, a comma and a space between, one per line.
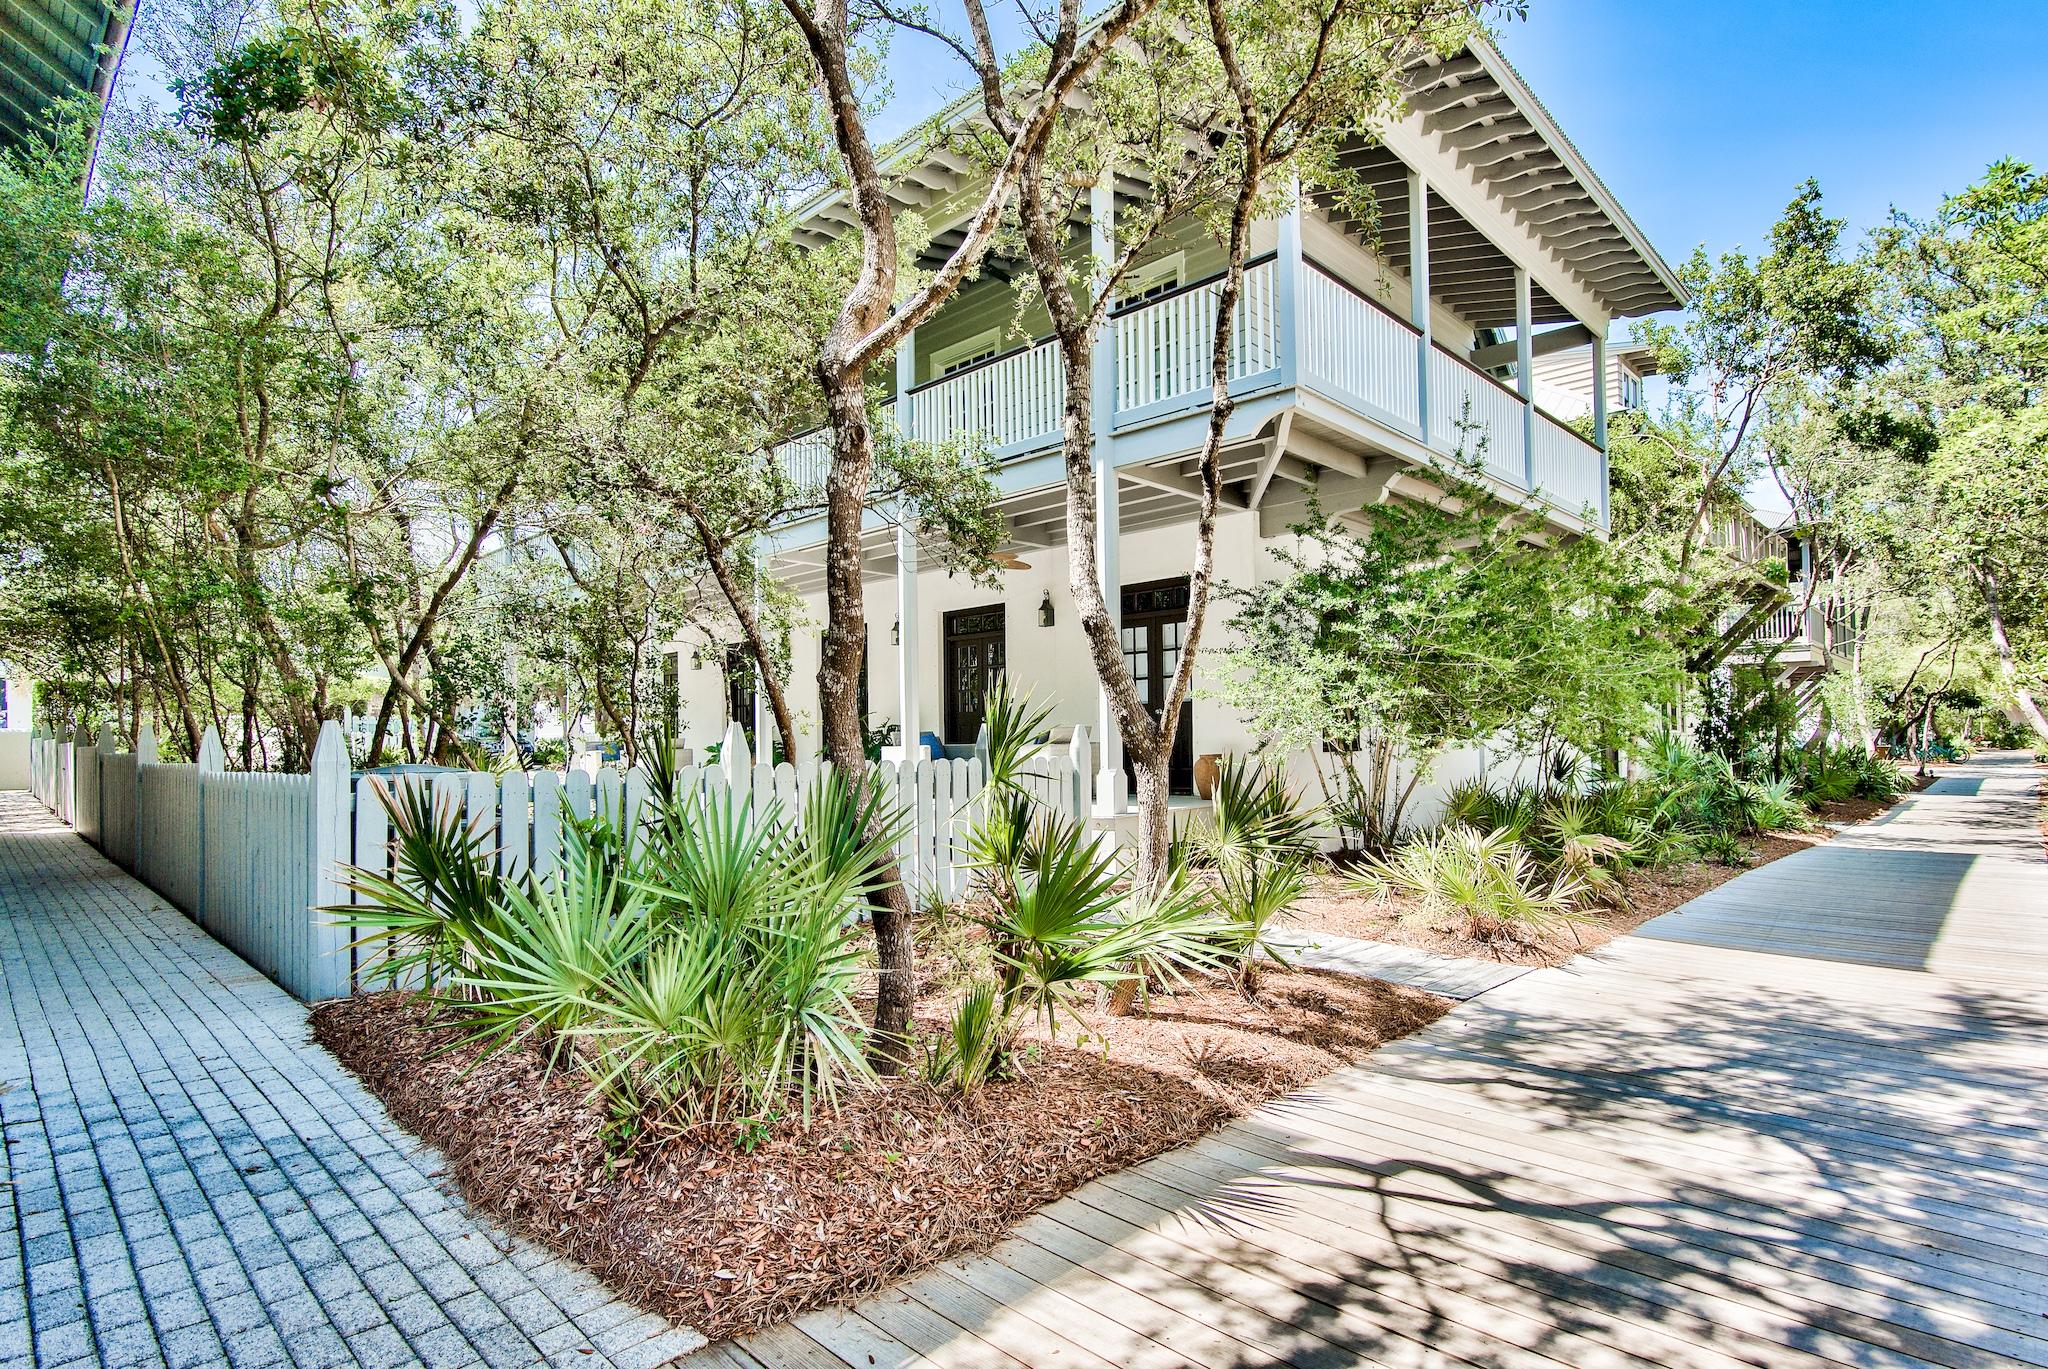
254, 857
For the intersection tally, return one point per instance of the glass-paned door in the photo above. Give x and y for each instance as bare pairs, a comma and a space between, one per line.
1154, 626
975, 660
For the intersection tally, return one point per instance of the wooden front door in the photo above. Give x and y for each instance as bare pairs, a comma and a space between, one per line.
1154, 618
974, 661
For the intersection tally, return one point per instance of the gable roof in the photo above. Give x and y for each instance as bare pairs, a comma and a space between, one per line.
1474, 104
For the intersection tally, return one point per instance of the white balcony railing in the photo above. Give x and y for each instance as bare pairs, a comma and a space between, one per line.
1794, 623
1566, 467
1012, 401
1474, 416
1163, 350
1356, 351
806, 459
1352, 351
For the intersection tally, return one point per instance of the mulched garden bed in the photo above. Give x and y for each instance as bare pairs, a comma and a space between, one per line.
728, 1237
1646, 893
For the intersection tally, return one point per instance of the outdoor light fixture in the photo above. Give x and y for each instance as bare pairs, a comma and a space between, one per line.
1045, 610
896, 633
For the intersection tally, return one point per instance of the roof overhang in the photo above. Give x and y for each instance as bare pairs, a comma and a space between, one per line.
1471, 110
51, 50
1475, 107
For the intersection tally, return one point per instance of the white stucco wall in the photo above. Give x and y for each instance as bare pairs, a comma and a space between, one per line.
1053, 662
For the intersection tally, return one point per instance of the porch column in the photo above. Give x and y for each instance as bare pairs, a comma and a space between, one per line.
906, 567
1600, 411
1109, 781
1290, 280
1418, 294
764, 716
1525, 379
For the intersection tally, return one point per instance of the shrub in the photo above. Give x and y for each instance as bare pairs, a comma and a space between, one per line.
428, 917
1829, 774
1249, 896
1486, 878
698, 971
1051, 901
1252, 816
1583, 837
1700, 792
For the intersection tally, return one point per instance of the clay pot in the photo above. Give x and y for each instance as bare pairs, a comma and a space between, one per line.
1206, 768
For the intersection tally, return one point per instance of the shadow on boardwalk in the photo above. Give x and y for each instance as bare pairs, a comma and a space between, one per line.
1672, 1152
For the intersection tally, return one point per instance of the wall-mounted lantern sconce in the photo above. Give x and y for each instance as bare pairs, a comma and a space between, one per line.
896, 633
1045, 610
697, 659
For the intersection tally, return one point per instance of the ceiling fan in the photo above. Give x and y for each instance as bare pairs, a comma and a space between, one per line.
1009, 560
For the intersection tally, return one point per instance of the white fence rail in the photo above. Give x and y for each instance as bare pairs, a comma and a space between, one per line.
254, 857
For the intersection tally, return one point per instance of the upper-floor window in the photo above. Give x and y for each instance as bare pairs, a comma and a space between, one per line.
968, 352
1153, 279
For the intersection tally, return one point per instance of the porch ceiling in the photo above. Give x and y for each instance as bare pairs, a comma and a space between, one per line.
1037, 519
52, 49
1466, 271
1155, 495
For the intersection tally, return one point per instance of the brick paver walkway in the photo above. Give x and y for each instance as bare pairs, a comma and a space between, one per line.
188, 1181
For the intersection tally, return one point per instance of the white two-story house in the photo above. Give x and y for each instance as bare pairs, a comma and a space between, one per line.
1362, 357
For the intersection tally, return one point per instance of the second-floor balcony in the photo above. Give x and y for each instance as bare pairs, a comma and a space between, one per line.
1797, 634
1301, 332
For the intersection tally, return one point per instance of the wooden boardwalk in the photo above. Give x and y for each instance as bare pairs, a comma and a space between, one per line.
1451, 976
1802, 1121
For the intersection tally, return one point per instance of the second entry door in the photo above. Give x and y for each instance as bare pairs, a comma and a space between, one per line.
1154, 617
974, 662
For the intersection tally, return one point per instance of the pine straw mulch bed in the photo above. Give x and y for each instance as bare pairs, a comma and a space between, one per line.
1645, 893
728, 1239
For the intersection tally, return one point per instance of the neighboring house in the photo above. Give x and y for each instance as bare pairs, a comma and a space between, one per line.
1361, 359
1797, 638
1564, 377
1798, 634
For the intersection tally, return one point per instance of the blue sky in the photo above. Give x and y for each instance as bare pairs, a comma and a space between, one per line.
1703, 118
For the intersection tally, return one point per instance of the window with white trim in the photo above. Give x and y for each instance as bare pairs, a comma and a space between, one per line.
1153, 279
968, 352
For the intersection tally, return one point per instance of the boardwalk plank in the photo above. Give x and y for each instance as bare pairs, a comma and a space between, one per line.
1803, 1119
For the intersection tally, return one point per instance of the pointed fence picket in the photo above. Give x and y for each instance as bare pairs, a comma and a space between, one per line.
257, 859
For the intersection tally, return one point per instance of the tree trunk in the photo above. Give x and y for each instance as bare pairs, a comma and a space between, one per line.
846, 488
2008, 668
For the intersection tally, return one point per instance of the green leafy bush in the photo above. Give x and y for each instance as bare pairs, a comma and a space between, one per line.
1487, 879
1052, 902
1830, 774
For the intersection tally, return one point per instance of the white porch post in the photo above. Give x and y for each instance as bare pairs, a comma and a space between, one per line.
764, 717
1418, 294
1110, 791
1525, 378
1600, 411
1290, 280
906, 567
